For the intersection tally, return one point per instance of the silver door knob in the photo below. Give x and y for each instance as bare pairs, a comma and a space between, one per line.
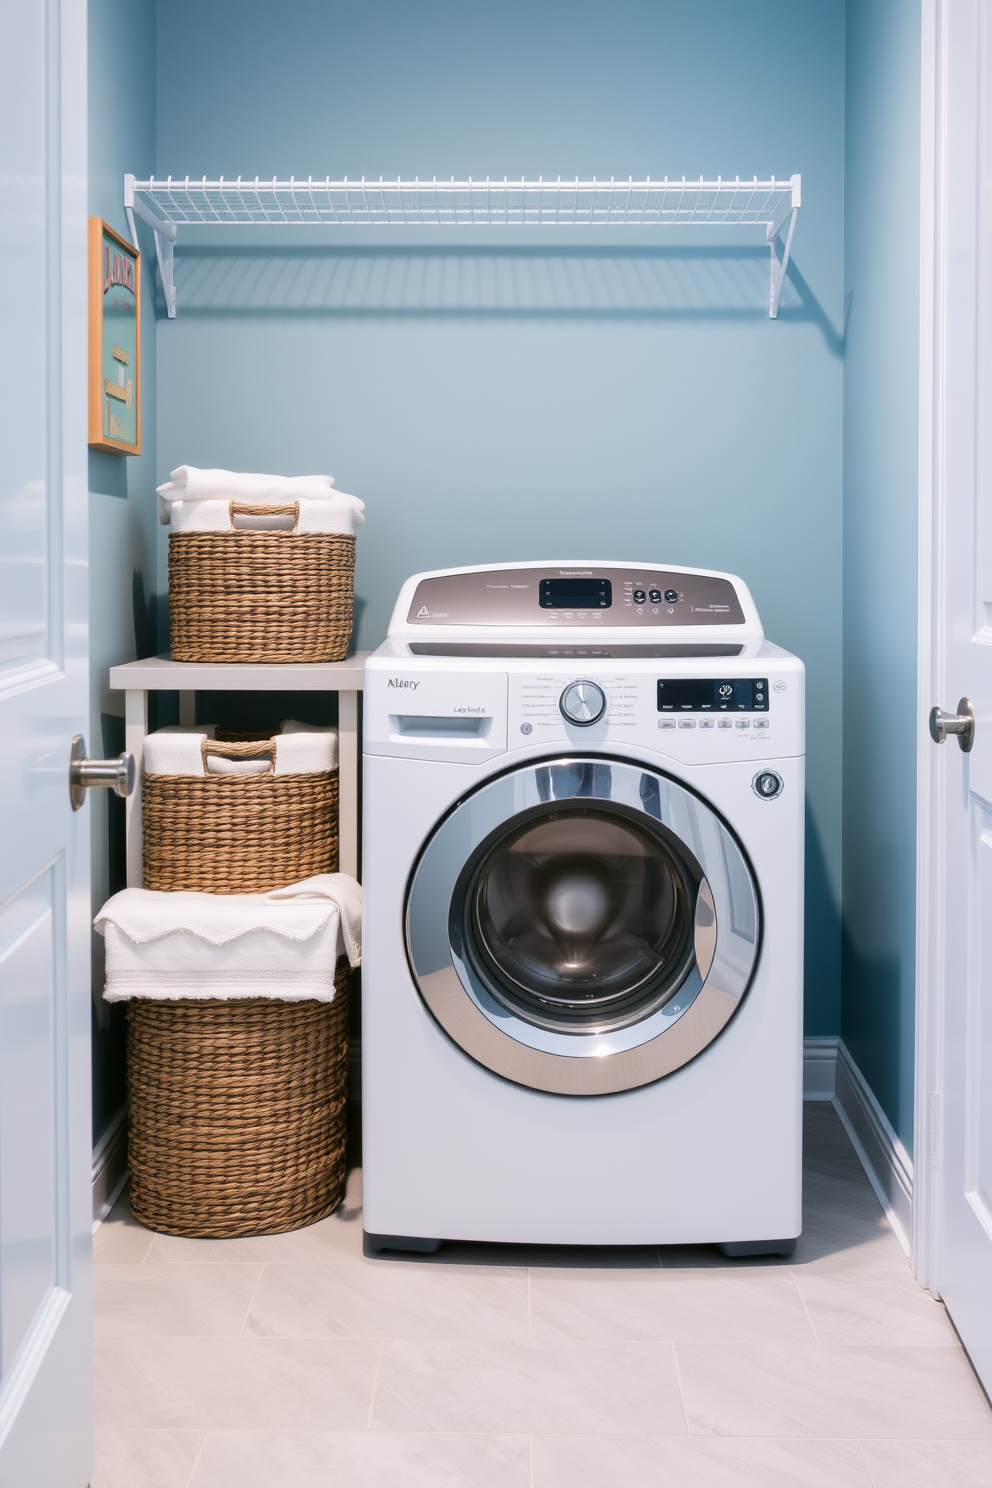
583, 703
116, 774
961, 723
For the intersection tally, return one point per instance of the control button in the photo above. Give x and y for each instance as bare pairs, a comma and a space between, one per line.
726, 689
760, 723
655, 596
666, 722
639, 596
582, 703
671, 596
687, 723
526, 728
706, 723
725, 723
781, 686
743, 722
767, 785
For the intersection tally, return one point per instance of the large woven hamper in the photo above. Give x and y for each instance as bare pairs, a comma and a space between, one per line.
261, 596
238, 834
237, 1112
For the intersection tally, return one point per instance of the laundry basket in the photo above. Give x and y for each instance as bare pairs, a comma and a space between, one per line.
250, 596
236, 1112
238, 834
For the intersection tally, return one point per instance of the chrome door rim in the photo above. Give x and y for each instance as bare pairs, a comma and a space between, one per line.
726, 932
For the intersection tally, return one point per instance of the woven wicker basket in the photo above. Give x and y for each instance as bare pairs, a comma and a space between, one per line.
238, 834
237, 1112
261, 596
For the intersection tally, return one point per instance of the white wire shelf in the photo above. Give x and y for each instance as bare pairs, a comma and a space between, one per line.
171, 203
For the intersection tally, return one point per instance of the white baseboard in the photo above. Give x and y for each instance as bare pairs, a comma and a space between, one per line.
110, 1166
820, 1068
830, 1074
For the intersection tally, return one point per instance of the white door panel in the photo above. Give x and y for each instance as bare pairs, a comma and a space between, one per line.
961, 822
45, 1118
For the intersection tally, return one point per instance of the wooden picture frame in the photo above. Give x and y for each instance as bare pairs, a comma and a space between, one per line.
114, 341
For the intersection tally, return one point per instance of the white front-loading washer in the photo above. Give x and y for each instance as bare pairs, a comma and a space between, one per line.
583, 872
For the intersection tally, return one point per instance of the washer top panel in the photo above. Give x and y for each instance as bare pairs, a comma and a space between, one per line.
552, 596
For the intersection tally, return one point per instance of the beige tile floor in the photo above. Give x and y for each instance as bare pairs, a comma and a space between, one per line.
294, 1361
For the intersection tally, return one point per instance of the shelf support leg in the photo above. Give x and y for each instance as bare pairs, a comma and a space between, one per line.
779, 269
348, 782
135, 732
165, 236
163, 252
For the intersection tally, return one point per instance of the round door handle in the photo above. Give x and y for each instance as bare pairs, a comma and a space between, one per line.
115, 774
582, 703
961, 724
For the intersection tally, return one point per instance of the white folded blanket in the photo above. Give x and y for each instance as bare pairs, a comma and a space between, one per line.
300, 749
282, 944
342, 513
188, 483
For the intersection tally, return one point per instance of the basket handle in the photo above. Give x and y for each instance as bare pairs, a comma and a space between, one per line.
253, 749
248, 509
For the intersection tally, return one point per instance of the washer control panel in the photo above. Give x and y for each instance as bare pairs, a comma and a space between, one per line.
576, 598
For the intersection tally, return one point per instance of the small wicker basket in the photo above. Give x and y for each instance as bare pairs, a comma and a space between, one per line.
238, 834
237, 1112
261, 596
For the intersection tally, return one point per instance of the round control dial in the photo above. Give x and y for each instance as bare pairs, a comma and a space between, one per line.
583, 703
767, 785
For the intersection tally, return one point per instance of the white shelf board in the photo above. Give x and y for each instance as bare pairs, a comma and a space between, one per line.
162, 674
173, 202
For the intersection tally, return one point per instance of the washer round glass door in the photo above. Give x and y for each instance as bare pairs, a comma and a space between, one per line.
582, 925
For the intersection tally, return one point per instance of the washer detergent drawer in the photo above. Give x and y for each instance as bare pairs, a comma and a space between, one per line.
455, 716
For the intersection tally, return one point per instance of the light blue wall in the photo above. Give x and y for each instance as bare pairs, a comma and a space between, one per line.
882, 207
499, 396
122, 533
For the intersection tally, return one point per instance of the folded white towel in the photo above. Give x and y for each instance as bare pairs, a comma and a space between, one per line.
342, 513
282, 944
188, 483
301, 749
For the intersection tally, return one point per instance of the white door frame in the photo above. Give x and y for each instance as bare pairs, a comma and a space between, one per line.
929, 878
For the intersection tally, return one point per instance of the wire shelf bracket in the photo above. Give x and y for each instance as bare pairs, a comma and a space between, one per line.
166, 205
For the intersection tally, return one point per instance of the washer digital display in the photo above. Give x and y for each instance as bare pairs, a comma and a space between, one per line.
713, 695
576, 594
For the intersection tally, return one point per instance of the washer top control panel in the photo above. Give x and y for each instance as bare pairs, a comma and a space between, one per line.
575, 597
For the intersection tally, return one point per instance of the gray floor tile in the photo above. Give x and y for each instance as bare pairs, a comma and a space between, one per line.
309, 1459
680, 1462
929, 1464
144, 1459
830, 1390
524, 1387
234, 1383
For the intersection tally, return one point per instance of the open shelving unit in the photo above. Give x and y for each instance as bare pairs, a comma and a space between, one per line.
170, 203
136, 679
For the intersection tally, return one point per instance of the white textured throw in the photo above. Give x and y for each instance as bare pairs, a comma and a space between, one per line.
341, 513
282, 944
300, 749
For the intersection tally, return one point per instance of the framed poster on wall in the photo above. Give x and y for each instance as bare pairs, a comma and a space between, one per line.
115, 341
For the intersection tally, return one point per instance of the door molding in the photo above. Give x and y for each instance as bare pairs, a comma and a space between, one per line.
929, 875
